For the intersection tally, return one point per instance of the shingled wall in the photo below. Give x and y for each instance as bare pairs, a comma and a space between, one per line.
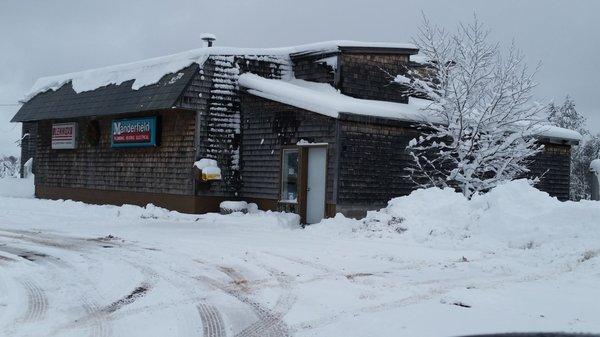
214, 94
166, 168
315, 68
553, 165
267, 128
370, 76
372, 161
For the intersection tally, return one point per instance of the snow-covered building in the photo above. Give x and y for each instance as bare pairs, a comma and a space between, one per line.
595, 178
314, 129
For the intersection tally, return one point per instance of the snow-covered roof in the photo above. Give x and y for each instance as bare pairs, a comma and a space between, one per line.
324, 99
419, 58
150, 71
544, 130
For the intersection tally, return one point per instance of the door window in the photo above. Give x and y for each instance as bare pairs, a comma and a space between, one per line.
289, 176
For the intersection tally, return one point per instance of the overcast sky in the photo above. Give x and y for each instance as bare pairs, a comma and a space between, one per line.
41, 38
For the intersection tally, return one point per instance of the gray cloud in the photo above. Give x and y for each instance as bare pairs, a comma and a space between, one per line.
41, 38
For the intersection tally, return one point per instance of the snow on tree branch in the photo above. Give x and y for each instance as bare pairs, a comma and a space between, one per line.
483, 94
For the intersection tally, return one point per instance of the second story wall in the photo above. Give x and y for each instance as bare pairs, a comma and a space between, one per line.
362, 74
316, 68
370, 75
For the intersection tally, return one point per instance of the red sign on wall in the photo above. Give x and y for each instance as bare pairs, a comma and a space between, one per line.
64, 136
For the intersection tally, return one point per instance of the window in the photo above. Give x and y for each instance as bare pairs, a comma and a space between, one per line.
289, 176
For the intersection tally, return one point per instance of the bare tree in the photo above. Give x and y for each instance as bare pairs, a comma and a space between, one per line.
482, 115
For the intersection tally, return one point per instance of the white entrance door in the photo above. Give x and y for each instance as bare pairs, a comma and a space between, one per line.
315, 184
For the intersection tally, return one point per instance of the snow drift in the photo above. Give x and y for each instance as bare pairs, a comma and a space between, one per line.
513, 216
16, 187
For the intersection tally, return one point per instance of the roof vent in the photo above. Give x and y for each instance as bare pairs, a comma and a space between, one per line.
208, 39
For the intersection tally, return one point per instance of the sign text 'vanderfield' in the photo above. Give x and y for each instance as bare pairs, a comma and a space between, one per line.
64, 136
134, 132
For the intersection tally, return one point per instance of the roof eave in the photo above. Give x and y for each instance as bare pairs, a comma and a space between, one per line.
357, 50
380, 50
557, 140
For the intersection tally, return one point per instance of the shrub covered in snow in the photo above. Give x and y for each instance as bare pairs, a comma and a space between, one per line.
481, 130
9, 166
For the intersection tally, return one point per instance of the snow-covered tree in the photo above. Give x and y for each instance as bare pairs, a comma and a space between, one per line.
581, 157
566, 116
482, 116
9, 166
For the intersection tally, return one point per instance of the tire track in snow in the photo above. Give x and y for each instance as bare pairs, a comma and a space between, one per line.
128, 299
212, 321
100, 325
39, 238
97, 319
37, 302
145, 261
305, 263
27, 254
270, 321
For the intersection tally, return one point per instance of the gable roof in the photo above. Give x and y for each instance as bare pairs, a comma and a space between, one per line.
110, 99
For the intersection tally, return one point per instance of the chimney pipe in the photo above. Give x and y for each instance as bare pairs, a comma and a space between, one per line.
208, 39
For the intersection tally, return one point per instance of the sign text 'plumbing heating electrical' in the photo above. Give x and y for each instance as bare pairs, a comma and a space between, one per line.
133, 132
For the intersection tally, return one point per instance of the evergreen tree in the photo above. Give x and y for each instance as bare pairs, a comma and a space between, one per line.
566, 116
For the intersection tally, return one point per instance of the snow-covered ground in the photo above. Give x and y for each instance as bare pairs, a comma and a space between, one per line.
431, 264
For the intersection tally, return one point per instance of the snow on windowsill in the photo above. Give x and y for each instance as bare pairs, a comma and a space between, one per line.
303, 142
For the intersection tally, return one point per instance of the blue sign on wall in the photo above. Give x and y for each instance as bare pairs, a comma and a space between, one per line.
133, 132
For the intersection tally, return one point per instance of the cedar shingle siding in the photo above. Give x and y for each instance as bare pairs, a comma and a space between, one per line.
314, 68
553, 165
213, 92
269, 126
370, 76
163, 169
372, 163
